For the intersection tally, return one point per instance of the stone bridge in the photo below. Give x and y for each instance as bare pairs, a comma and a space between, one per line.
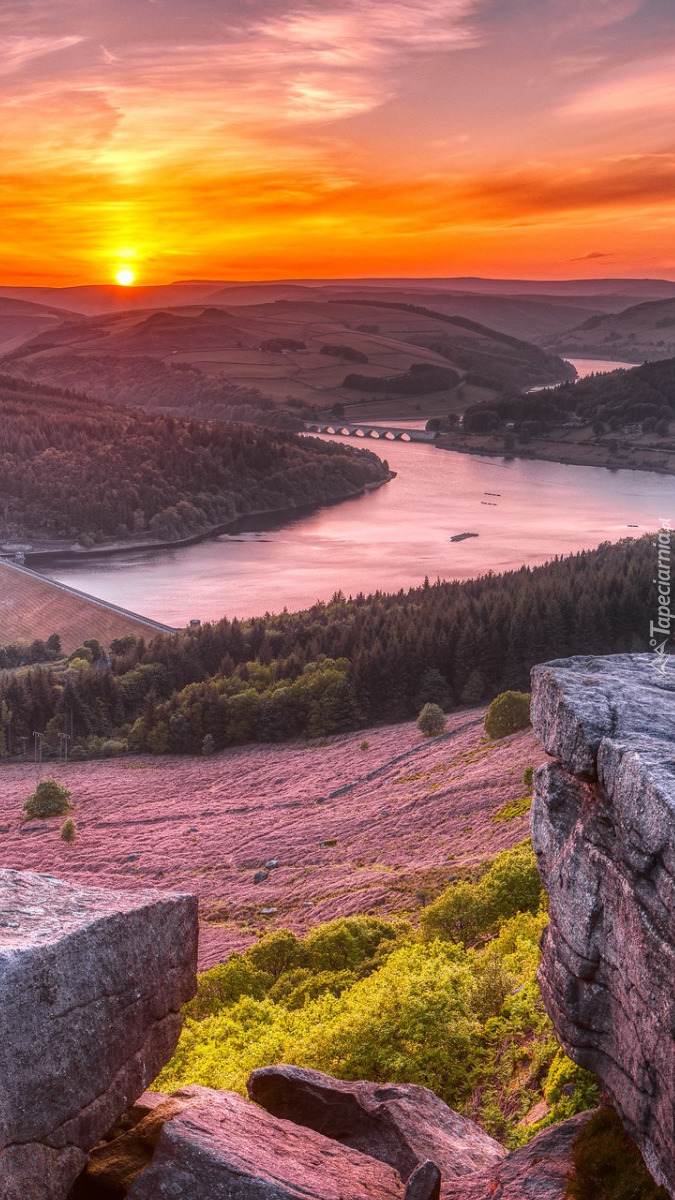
386, 432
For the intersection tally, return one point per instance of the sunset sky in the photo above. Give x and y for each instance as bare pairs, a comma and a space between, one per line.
240, 139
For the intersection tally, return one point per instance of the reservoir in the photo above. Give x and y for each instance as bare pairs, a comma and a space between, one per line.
524, 512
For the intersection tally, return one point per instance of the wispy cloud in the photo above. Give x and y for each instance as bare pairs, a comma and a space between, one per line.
16, 51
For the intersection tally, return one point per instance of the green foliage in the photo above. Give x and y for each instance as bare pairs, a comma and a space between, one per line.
366, 998
509, 712
607, 1164
49, 799
208, 745
465, 912
431, 721
513, 809
68, 830
365, 745
528, 779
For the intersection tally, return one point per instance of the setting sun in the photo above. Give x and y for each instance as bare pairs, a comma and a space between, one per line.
125, 276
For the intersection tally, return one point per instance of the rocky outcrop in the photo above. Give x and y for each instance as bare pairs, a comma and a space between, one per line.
223, 1147
91, 985
541, 1170
603, 829
400, 1124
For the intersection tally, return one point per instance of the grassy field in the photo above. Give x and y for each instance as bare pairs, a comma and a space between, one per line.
32, 607
344, 843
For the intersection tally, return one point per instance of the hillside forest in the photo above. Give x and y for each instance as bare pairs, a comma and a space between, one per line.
337, 666
147, 476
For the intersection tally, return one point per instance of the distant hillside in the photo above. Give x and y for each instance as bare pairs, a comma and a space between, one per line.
256, 361
75, 468
643, 331
20, 320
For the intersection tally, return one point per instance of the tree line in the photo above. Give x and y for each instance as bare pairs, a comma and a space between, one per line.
342, 665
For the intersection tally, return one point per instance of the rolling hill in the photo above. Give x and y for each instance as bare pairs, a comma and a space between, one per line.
643, 331
292, 355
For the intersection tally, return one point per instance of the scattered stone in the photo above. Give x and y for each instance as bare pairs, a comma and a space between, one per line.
271, 864
260, 876
385, 812
401, 1124
321, 800
308, 904
269, 912
132, 857
223, 1147
91, 986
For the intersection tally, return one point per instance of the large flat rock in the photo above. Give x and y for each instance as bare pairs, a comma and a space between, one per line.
603, 829
400, 1124
91, 985
222, 1147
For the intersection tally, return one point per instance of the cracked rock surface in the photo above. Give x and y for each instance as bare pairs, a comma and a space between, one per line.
401, 1124
223, 1147
603, 830
91, 985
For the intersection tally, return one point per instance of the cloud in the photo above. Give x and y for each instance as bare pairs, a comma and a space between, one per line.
590, 257
643, 89
16, 52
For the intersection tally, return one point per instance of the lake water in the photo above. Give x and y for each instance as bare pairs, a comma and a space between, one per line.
523, 512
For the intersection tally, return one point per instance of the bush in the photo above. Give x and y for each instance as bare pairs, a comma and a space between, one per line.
208, 745
466, 912
68, 830
49, 799
431, 721
607, 1165
113, 747
365, 745
508, 713
528, 779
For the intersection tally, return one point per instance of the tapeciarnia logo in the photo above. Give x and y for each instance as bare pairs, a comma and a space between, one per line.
659, 630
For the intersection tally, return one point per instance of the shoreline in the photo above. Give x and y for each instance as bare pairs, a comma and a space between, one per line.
566, 459
246, 523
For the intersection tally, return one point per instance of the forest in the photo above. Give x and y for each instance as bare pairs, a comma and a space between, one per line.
337, 666
644, 396
151, 476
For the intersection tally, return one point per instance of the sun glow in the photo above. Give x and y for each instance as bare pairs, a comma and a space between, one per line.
125, 276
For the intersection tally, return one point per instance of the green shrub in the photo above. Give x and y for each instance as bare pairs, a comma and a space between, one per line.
431, 721
68, 830
49, 799
513, 809
466, 912
509, 712
208, 745
113, 747
364, 745
528, 779
607, 1164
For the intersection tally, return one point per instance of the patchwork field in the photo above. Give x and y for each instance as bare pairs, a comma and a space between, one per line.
121, 356
352, 830
34, 607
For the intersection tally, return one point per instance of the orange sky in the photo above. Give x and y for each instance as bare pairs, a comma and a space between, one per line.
264, 138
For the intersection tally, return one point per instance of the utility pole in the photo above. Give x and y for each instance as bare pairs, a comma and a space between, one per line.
23, 739
64, 738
